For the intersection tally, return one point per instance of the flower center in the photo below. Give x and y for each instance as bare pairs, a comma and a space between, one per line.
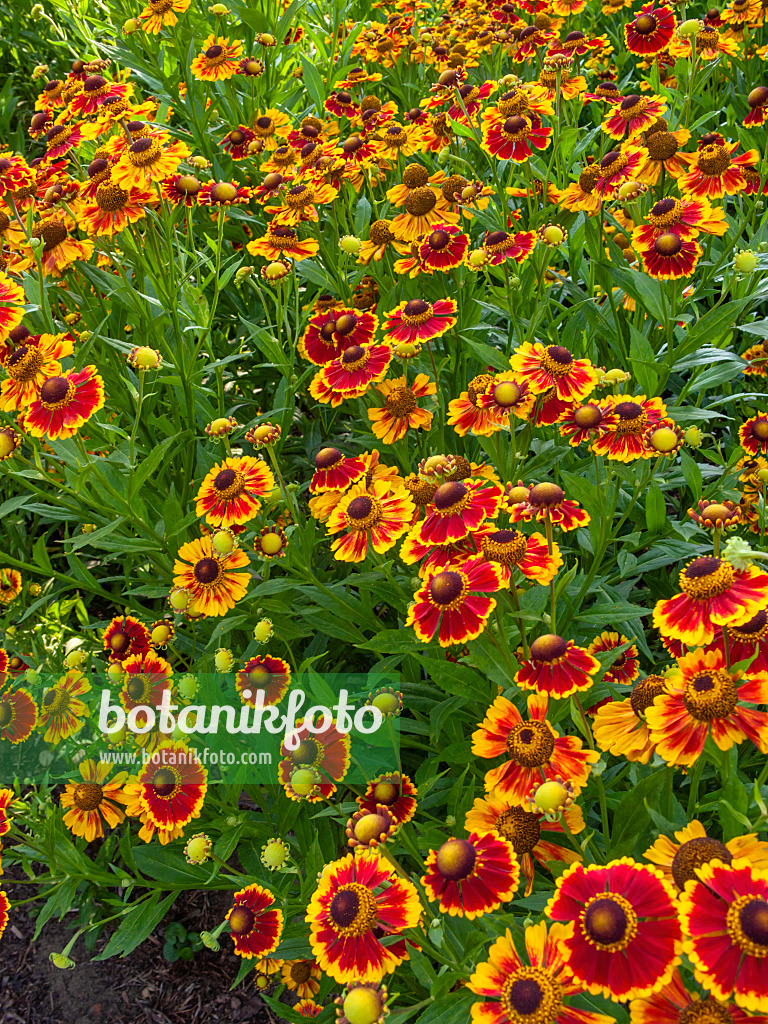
417, 311
520, 828
364, 512
208, 572
439, 240
759, 429
415, 176
545, 494
662, 146
228, 483
714, 160
327, 457
747, 923
25, 363
450, 498
456, 859
609, 922
354, 358
241, 920
477, 386
56, 701
448, 589
56, 392
632, 106
87, 796
139, 688
706, 577
548, 648
506, 547
588, 177
301, 972
380, 233
710, 695
353, 909
632, 417
516, 127
496, 241
645, 24
692, 854
705, 1011
612, 163
400, 402
531, 744
52, 233
421, 201
669, 244
282, 238
165, 783
531, 996
144, 152
110, 197
507, 394
299, 196
665, 213
645, 693
587, 417
758, 97
751, 631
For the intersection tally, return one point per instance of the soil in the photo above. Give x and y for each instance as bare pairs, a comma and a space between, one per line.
143, 988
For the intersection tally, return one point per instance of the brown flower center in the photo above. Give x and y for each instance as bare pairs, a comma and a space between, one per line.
706, 577
645, 24
695, 852
456, 859
713, 160
88, 796
353, 909
548, 648
56, 392
208, 571
662, 146
531, 743
645, 693
400, 402
421, 201
747, 924
520, 828
24, 363
710, 696
609, 922
448, 589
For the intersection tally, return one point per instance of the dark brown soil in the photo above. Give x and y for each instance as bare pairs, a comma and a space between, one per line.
143, 988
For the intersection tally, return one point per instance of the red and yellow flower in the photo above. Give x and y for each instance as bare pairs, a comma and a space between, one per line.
377, 516
625, 937
255, 923
557, 667
18, 715
266, 673
753, 435
172, 786
713, 594
471, 877
632, 417
543, 367
324, 750
218, 60
454, 600
511, 549
725, 916
359, 900
534, 751
394, 791
61, 711
651, 31
229, 494
93, 801
681, 859
210, 579
546, 502
702, 698
632, 116
401, 412
416, 320
511, 138
624, 670
537, 988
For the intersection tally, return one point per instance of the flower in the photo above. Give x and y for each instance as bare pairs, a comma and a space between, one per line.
301, 977
160, 14
11, 304
557, 667
715, 172
263, 673
335, 471
210, 579
148, 159
458, 508
324, 750
92, 801
10, 585
62, 711
511, 138
65, 403
534, 752
713, 594
454, 600
472, 877
516, 992
254, 922
360, 899
500, 246
147, 677
753, 435
229, 494
401, 412
668, 257
281, 242
632, 116
172, 787
620, 728
218, 60
394, 791
625, 936
674, 1003
725, 916
705, 698
624, 669
511, 549
543, 367
28, 366
377, 516
547, 502
125, 636
443, 248
681, 860
651, 31
18, 715
623, 440
352, 373
523, 827
416, 320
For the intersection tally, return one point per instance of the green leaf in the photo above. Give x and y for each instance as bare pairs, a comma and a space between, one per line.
448, 1009
655, 509
137, 925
